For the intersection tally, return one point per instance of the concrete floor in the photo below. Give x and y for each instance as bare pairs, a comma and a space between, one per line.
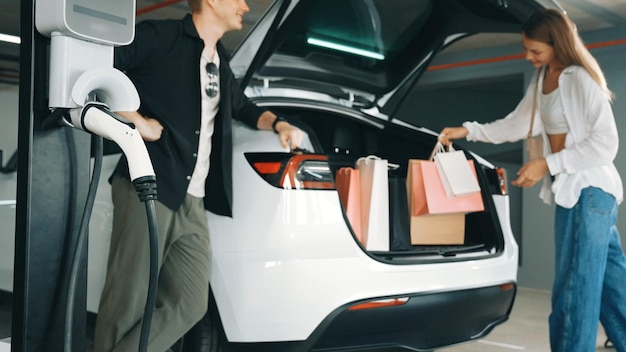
526, 330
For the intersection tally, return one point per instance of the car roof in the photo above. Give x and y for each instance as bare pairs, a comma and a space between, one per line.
368, 48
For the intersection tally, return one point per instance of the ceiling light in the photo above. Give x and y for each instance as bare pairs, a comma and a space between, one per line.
345, 48
9, 38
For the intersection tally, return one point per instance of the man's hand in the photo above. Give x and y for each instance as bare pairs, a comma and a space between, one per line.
531, 173
150, 129
290, 137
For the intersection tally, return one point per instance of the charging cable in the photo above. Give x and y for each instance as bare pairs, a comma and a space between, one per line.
96, 119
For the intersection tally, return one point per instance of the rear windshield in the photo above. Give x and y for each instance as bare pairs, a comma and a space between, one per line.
360, 31
372, 46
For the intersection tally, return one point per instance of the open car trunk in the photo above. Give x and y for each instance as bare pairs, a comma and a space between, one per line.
344, 140
345, 72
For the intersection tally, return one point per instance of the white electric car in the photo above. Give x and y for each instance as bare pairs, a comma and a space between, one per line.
288, 272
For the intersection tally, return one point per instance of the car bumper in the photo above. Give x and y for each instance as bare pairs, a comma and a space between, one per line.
424, 322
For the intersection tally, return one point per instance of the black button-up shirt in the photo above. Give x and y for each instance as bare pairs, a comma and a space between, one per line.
163, 62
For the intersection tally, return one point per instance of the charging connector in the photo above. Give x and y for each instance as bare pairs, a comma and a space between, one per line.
96, 118
146, 188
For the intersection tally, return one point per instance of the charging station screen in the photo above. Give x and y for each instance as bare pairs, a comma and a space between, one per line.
105, 20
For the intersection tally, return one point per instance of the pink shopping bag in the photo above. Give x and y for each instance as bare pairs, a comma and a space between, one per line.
427, 195
348, 183
374, 202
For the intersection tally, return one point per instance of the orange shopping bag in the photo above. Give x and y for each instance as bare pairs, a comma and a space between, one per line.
427, 195
348, 182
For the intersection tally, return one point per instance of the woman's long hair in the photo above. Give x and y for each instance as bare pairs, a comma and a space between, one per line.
557, 30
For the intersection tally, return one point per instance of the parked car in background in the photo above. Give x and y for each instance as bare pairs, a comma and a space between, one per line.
288, 272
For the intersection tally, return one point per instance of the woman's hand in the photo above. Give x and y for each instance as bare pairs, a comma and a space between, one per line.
531, 173
450, 133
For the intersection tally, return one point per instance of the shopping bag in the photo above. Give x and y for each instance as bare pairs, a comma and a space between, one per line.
435, 218
374, 202
438, 229
399, 216
347, 182
455, 172
426, 193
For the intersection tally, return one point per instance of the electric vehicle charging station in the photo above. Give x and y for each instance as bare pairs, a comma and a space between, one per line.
67, 82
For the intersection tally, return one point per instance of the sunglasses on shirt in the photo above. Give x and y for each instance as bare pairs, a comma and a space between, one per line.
212, 87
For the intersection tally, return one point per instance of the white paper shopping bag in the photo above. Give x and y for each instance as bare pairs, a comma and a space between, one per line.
375, 202
456, 175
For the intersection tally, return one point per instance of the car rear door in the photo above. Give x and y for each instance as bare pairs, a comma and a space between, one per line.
366, 52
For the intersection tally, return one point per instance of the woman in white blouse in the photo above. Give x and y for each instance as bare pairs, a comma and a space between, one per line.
574, 116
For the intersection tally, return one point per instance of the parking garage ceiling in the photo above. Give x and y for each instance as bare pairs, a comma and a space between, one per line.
589, 15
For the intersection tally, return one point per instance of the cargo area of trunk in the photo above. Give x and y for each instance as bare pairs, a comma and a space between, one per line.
344, 140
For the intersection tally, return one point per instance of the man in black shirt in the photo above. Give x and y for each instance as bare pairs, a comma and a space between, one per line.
188, 98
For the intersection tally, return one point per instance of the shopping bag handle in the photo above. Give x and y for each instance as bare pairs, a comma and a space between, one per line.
390, 166
367, 158
440, 148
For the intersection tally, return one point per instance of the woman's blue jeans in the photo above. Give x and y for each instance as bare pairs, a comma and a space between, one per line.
590, 278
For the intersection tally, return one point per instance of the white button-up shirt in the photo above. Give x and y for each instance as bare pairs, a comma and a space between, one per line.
590, 146
207, 126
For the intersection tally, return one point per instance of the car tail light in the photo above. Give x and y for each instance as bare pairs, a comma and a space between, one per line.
293, 171
507, 287
380, 303
502, 180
